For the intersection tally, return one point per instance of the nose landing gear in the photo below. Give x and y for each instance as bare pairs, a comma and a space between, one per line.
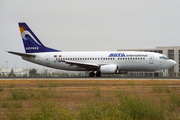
156, 74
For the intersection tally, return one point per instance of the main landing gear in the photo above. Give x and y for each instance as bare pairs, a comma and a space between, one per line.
98, 74
156, 74
91, 74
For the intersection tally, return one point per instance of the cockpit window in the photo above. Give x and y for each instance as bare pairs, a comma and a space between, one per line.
164, 57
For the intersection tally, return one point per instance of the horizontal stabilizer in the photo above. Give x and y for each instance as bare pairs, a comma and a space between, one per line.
21, 54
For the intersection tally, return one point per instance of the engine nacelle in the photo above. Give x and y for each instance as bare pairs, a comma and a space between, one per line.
109, 69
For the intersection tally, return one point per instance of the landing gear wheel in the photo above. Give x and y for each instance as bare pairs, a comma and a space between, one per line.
156, 74
91, 74
98, 74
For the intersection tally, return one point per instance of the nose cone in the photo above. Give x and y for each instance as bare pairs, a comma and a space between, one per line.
172, 63
168, 64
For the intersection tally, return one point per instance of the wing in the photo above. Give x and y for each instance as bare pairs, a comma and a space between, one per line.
21, 54
89, 66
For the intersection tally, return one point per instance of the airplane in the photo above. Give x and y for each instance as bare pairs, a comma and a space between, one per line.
97, 62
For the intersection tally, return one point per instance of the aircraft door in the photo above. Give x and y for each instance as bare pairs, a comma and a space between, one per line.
47, 59
151, 59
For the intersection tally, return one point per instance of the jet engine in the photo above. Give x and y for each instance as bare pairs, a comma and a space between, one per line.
109, 69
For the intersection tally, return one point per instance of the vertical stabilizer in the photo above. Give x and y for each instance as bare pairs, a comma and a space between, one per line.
31, 43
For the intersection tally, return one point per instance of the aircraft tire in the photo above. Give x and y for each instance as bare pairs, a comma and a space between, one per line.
98, 74
91, 74
156, 74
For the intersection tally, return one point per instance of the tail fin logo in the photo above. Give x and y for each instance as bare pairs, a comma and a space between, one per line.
26, 35
28, 39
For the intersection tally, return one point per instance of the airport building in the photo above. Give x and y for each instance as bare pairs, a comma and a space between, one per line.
171, 52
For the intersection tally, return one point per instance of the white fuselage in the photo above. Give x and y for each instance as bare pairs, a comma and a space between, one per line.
125, 60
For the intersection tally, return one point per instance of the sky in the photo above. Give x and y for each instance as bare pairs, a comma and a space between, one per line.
88, 25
